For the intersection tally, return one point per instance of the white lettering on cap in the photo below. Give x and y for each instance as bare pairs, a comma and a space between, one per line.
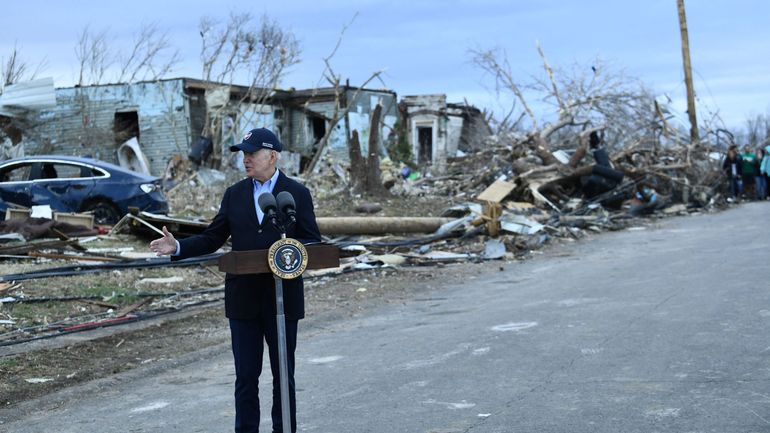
267, 145
247, 136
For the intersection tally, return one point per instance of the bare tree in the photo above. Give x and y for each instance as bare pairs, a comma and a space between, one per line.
755, 131
241, 50
495, 62
603, 96
150, 56
145, 61
15, 69
94, 59
341, 103
582, 95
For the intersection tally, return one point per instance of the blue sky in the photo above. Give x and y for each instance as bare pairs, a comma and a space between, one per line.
423, 44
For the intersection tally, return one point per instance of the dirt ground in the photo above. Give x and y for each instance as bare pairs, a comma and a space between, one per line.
37, 372
192, 294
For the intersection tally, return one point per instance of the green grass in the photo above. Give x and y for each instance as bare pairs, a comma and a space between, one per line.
8, 363
104, 291
37, 310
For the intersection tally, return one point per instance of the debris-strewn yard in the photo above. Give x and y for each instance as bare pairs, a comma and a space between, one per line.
36, 368
86, 305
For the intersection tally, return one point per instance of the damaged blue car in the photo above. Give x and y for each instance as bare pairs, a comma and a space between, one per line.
77, 184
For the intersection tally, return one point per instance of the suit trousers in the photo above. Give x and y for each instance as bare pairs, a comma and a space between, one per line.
248, 337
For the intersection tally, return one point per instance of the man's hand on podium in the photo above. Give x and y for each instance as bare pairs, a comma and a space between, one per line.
165, 245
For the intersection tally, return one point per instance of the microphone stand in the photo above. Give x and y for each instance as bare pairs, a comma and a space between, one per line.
280, 319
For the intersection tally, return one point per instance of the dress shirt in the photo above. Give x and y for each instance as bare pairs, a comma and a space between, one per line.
261, 188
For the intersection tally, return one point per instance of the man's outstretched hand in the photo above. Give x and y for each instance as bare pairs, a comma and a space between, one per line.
165, 245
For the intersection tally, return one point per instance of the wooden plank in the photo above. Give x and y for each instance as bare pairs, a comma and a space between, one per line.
496, 192
64, 237
74, 257
519, 205
130, 308
100, 303
36, 245
7, 286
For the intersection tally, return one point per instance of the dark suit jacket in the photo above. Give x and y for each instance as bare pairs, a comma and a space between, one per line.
253, 296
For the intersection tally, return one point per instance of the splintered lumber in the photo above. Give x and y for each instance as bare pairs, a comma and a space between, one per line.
4, 287
100, 303
496, 192
131, 308
379, 225
36, 245
74, 257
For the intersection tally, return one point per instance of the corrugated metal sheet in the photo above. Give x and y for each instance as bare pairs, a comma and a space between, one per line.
30, 95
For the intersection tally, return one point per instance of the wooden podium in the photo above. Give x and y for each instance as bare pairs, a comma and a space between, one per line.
320, 256
285, 259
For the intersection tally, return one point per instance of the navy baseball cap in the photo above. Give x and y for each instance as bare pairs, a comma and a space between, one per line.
260, 138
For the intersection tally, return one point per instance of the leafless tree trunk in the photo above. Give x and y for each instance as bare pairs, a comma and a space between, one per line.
373, 175
365, 176
554, 87
357, 165
582, 149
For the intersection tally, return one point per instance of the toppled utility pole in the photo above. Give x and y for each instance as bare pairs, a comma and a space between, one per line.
688, 74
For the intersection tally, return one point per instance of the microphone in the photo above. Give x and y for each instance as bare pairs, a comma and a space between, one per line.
287, 206
267, 204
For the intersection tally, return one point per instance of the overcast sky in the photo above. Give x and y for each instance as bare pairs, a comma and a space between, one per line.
423, 44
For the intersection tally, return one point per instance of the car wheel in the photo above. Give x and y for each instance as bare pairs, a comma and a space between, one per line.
104, 213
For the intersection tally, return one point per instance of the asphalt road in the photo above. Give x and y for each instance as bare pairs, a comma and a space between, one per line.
646, 330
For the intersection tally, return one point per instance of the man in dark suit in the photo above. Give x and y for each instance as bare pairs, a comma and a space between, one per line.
250, 299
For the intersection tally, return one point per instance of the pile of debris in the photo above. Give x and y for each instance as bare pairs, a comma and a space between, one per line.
505, 200
515, 193
553, 180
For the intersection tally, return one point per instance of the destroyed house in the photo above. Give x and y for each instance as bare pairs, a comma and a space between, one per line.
438, 130
168, 117
304, 116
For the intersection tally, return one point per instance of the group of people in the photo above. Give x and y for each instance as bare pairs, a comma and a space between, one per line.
748, 172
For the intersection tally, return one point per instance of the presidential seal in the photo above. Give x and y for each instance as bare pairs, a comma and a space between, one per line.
287, 258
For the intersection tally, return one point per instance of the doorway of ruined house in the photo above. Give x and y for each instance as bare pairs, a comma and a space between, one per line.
125, 126
425, 145
318, 124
